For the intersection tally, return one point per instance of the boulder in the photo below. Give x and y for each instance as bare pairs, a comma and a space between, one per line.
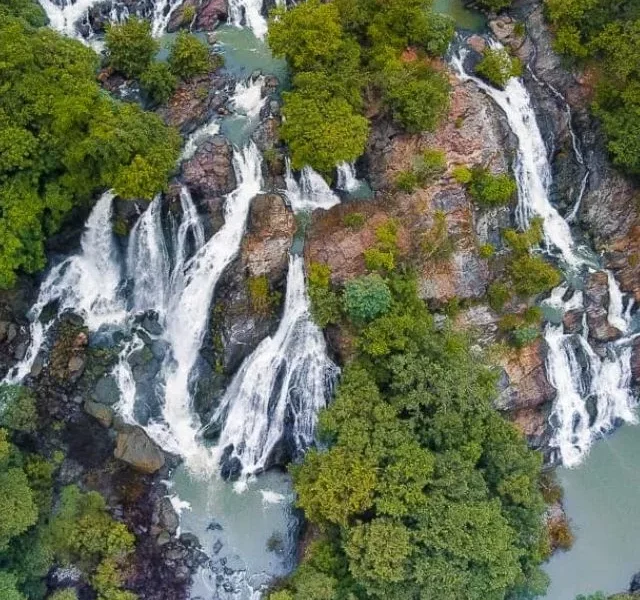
572, 321
168, 519
102, 413
211, 13
106, 391
134, 447
209, 173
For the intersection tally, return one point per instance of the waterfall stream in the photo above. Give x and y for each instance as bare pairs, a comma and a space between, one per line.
311, 193
585, 381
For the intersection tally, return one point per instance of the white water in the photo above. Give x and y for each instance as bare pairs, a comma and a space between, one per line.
162, 11
188, 318
347, 180
249, 14
311, 193
63, 19
287, 378
247, 99
87, 283
574, 369
200, 134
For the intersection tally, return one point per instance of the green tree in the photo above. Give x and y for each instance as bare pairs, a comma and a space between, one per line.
18, 511
17, 408
498, 66
366, 298
158, 82
8, 589
130, 47
189, 56
491, 190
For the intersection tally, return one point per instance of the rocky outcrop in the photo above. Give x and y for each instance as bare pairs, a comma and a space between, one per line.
596, 296
209, 173
196, 101
265, 248
136, 448
199, 15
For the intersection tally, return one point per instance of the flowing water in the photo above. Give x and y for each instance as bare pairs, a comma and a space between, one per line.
576, 370
310, 193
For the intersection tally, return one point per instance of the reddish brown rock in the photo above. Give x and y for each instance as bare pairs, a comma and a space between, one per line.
212, 13
209, 173
528, 386
572, 321
596, 296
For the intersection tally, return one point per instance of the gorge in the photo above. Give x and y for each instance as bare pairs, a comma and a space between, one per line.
203, 302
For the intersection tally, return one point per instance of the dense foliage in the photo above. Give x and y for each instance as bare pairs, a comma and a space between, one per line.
607, 35
37, 533
498, 66
189, 56
130, 47
339, 50
424, 491
62, 140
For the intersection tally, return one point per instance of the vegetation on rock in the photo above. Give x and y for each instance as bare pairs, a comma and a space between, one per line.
130, 47
189, 56
63, 140
498, 66
336, 51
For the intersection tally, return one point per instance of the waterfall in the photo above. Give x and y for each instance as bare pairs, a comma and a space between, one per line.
248, 13
311, 193
162, 11
347, 181
87, 283
200, 134
148, 261
593, 391
532, 170
247, 99
288, 378
188, 317
64, 18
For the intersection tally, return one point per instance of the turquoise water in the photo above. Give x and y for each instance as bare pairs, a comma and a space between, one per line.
464, 17
602, 500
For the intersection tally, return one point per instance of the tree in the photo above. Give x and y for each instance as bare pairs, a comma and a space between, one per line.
158, 82
366, 298
189, 56
130, 47
17, 408
321, 130
18, 511
491, 190
8, 589
498, 66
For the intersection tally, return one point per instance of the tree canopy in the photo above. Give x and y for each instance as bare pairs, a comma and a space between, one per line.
63, 139
336, 51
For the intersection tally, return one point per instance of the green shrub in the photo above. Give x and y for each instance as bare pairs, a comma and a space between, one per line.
521, 242
366, 298
130, 47
189, 56
387, 236
437, 244
406, 181
487, 251
498, 294
491, 190
262, 300
498, 66
523, 336
17, 408
188, 14
429, 165
66, 594
354, 220
532, 275
158, 82
325, 304
379, 260
462, 174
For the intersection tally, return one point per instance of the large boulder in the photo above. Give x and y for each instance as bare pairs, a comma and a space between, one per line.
596, 294
136, 448
209, 173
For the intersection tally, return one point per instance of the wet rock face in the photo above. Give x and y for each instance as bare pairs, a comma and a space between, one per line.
134, 447
208, 15
270, 230
209, 173
596, 305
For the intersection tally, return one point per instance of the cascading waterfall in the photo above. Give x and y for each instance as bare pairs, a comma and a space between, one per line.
577, 372
247, 99
249, 14
287, 378
63, 18
191, 145
162, 11
311, 193
347, 180
188, 317
88, 283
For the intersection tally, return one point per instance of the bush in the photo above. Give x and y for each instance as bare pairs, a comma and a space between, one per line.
498, 294
17, 408
487, 251
431, 164
325, 304
498, 66
521, 242
130, 47
262, 300
417, 95
354, 220
366, 298
462, 174
532, 275
66, 594
379, 260
189, 56
406, 181
437, 243
560, 535
158, 82
491, 190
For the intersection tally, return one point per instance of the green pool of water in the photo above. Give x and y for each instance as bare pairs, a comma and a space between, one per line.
464, 17
602, 500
